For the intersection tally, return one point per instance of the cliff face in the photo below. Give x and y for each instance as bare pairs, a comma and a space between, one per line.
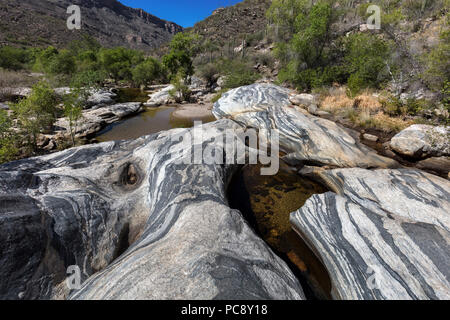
43, 22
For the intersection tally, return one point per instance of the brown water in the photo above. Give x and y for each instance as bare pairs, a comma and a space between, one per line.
266, 202
152, 120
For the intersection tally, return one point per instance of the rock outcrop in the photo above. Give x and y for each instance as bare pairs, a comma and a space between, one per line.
138, 222
305, 138
384, 234
96, 118
160, 97
420, 141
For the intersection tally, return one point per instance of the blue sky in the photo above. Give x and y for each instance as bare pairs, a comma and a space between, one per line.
183, 12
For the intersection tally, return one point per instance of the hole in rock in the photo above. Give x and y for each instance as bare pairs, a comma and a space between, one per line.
130, 176
266, 202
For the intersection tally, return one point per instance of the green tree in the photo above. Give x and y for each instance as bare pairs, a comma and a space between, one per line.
119, 62
365, 61
62, 63
73, 108
179, 59
437, 63
13, 58
37, 112
147, 72
44, 59
210, 47
305, 42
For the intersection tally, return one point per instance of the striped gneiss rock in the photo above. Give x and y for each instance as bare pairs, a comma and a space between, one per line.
305, 138
139, 223
384, 234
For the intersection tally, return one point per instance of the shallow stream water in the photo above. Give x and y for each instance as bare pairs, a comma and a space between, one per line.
152, 120
266, 202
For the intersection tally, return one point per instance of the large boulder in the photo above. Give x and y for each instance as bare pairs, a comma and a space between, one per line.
253, 98
384, 234
303, 99
96, 118
305, 138
101, 97
420, 141
160, 97
139, 221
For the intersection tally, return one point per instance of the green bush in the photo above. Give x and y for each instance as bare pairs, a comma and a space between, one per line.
13, 58
209, 73
181, 92
392, 106
37, 112
265, 59
437, 62
62, 63
44, 59
237, 73
147, 72
119, 62
179, 59
365, 60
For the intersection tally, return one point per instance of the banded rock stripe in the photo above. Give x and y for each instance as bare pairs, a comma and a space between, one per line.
384, 235
305, 138
140, 224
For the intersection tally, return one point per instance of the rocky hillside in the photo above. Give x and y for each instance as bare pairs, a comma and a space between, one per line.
43, 22
227, 24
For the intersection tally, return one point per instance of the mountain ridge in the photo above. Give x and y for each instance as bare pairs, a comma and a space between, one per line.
43, 22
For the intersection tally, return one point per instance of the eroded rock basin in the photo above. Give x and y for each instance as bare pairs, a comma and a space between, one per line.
266, 202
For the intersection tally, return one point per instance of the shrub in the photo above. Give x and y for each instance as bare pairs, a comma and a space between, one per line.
13, 58
147, 72
238, 73
62, 63
437, 62
266, 59
179, 60
365, 60
37, 112
44, 59
209, 73
119, 62
181, 92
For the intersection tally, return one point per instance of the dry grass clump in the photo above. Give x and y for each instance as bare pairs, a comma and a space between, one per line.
365, 110
16, 79
367, 101
336, 100
9, 80
382, 121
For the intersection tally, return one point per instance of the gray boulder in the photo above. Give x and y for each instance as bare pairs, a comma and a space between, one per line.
421, 141
305, 138
101, 97
160, 97
95, 119
138, 222
384, 234
303, 99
